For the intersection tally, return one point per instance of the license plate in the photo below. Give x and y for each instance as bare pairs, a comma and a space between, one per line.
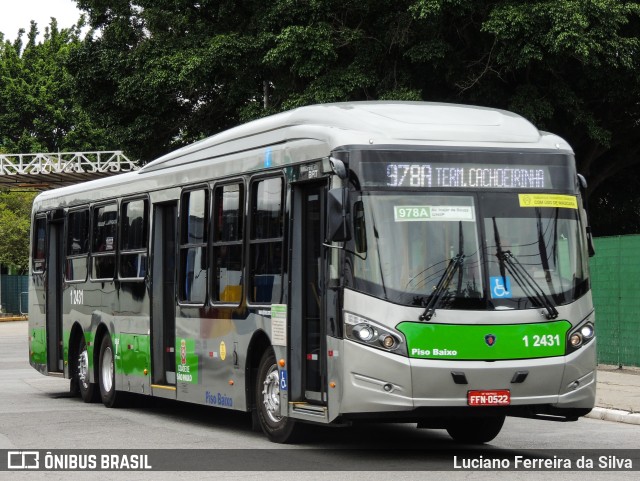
500, 397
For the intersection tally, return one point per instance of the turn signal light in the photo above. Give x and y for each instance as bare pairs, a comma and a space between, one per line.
389, 342
575, 340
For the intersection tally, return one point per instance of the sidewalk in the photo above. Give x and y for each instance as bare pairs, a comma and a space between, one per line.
617, 395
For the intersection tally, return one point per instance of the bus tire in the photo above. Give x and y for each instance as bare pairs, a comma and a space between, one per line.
88, 390
107, 375
475, 430
279, 429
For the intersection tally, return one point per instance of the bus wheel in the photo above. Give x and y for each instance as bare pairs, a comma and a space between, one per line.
279, 429
475, 430
88, 390
107, 375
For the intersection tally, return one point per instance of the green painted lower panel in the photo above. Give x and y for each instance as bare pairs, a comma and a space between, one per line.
65, 346
132, 350
485, 342
38, 346
133, 354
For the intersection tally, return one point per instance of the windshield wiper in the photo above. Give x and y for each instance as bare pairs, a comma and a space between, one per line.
528, 284
442, 287
445, 280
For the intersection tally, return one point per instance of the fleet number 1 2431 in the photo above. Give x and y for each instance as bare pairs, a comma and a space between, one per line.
546, 340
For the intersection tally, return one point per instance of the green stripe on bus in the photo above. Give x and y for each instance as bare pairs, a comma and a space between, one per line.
485, 342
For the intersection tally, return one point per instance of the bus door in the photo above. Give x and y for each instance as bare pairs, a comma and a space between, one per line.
163, 294
53, 291
307, 326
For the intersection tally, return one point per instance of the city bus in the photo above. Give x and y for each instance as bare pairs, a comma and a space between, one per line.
371, 261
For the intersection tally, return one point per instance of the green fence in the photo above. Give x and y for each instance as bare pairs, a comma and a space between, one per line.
615, 273
13, 294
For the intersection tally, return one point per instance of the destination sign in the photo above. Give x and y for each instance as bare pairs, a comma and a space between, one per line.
463, 176
465, 170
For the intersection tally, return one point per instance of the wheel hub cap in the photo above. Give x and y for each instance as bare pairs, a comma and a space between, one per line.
271, 394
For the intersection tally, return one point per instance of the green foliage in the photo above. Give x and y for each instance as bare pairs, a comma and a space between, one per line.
154, 75
38, 113
15, 211
574, 65
38, 110
164, 73
589, 31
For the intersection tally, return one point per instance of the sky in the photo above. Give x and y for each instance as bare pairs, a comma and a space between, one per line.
17, 14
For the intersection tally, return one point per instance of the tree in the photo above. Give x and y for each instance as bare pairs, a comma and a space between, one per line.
38, 113
573, 65
166, 72
157, 74
38, 110
15, 212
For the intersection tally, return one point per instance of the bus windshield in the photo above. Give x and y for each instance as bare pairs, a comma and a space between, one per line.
531, 249
406, 243
507, 255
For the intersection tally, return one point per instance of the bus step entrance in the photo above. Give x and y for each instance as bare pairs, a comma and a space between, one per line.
307, 411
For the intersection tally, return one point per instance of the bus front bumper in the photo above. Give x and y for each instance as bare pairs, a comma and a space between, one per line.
375, 381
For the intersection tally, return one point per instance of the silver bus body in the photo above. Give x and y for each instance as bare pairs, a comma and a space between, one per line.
324, 374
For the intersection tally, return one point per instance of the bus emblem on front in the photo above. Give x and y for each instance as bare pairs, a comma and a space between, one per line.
490, 339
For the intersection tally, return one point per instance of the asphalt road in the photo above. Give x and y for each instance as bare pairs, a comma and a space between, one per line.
37, 413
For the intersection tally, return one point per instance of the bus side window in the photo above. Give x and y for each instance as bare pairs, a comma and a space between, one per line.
39, 244
77, 245
265, 244
133, 239
103, 247
193, 246
227, 243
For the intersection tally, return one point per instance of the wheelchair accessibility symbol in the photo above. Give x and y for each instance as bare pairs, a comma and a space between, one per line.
283, 380
500, 287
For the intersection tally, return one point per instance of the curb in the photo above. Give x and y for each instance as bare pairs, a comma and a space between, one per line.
614, 415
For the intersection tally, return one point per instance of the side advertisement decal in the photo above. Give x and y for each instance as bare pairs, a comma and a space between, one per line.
187, 361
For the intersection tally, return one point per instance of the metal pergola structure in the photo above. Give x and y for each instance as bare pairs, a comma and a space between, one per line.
44, 171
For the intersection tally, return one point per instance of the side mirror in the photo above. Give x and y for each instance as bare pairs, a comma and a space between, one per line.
338, 168
590, 245
582, 183
338, 219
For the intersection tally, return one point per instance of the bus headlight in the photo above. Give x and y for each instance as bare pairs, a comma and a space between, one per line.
365, 331
587, 331
581, 335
